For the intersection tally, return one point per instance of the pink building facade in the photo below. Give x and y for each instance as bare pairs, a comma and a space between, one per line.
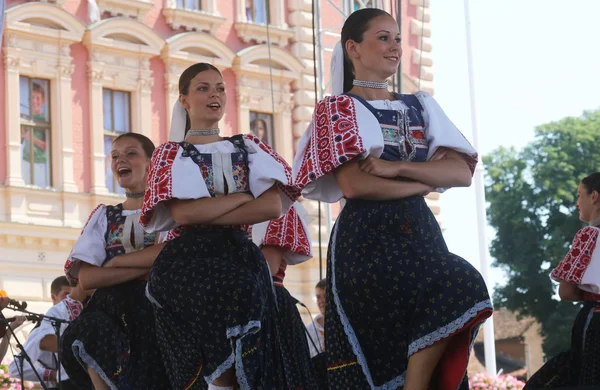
71, 84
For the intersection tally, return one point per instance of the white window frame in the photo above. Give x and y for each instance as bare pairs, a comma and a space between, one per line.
124, 65
41, 51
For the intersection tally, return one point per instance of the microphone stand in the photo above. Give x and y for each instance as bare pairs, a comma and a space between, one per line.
56, 324
23, 356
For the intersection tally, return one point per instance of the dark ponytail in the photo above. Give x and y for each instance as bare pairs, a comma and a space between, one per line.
354, 29
592, 182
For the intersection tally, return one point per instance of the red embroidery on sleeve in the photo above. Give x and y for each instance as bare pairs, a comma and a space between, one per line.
159, 185
572, 268
334, 139
287, 232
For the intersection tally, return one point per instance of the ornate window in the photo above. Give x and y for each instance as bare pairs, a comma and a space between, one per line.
35, 131
117, 120
259, 99
38, 69
252, 18
120, 86
193, 15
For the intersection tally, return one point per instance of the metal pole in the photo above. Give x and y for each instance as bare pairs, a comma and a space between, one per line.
399, 71
488, 327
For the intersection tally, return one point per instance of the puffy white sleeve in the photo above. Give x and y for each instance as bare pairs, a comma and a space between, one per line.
171, 175
90, 247
441, 132
268, 168
342, 129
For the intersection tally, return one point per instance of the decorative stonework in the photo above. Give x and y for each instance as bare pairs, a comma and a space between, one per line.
278, 33
257, 33
206, 19
37, 44
136, 9
255, 92
120, 59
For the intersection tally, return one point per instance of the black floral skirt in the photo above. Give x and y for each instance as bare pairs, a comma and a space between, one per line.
394, 289
579, 366
215, 309
116, 337
294, 345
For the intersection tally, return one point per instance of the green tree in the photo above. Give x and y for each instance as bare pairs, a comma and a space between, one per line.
532, 195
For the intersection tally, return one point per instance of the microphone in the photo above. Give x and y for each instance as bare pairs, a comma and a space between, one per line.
13, 319
13, 302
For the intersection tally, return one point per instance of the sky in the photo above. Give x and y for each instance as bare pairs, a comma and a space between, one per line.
535, 62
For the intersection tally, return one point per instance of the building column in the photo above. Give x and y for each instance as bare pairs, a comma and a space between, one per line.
172, 95
98, 185
143, 111
65, 130
13, 121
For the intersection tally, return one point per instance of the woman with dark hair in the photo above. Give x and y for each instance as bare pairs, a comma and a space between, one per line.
402, 311
113, 339
579, 281
210, 286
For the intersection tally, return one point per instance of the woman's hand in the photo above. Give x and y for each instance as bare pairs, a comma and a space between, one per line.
380, 168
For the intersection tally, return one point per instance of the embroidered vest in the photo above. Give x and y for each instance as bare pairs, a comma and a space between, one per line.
115, 230
403, 131
239, 174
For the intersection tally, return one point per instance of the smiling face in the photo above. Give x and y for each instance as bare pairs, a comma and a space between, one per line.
129, 164
205, 100
377, 56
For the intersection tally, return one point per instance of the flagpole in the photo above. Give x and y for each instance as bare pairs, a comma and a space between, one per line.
488, 327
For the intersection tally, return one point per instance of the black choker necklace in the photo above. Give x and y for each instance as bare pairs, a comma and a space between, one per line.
135, 194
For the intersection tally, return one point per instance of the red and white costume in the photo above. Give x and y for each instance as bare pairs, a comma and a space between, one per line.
581, 266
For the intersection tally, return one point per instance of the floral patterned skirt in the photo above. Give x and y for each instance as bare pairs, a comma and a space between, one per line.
394, 289
579, 366
294, 346
115, 336
215, 309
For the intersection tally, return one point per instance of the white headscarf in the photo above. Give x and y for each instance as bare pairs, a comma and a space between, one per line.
93, 11
178, 120
337, 70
